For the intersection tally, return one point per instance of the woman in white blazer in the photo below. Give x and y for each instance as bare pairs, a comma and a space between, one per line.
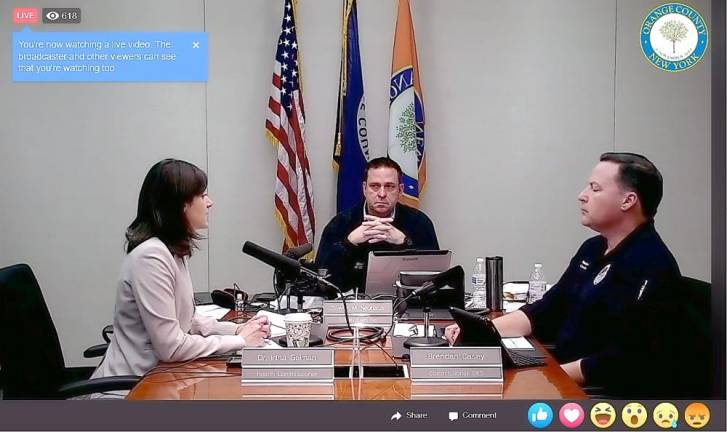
155, 318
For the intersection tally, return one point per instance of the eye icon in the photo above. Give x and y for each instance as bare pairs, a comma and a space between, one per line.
52, 15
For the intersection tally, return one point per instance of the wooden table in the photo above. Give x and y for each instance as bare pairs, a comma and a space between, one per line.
210, 379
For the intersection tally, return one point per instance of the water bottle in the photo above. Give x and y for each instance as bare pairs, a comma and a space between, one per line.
239, 305
479, 291
537, 285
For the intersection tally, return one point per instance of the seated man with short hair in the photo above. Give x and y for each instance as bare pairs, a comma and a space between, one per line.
615, 309
380, 223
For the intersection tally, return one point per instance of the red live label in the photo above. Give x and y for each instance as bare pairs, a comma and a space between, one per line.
25, 15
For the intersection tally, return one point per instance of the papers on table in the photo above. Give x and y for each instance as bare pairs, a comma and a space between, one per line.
511, 306
269, 344
212, 310
406, 330
517, 343
515, 291
309, 302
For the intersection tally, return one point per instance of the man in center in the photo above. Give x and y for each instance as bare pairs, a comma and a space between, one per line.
380, 223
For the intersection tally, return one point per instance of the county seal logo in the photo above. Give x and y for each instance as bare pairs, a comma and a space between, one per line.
674, 37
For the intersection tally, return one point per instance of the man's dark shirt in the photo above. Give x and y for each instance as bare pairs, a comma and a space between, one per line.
618, 313
346, 262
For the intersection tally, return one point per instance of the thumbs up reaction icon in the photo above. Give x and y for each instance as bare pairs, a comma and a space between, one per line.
540, 415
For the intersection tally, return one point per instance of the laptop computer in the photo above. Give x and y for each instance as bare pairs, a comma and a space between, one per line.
476, 330
382, 274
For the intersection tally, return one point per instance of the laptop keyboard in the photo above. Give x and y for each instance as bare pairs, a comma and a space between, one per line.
523, 360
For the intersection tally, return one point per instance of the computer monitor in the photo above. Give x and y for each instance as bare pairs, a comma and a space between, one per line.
382, 270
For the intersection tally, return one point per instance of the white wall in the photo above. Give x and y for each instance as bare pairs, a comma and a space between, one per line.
72, 159
667, 116
520, 96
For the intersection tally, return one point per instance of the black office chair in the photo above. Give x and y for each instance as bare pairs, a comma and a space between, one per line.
31, 359
695, 337
100, 349
691, 357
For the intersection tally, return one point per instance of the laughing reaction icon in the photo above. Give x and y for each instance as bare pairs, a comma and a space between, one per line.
603, 415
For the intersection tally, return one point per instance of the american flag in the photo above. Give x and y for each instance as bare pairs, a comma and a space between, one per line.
285, 127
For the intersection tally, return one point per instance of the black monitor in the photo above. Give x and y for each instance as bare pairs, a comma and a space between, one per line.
383, 267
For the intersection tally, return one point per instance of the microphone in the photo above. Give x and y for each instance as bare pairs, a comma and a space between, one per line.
281, 262
299, 252
287, 265
290, 266
453, 276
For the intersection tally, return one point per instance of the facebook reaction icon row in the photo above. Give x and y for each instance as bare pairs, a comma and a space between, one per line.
634, 415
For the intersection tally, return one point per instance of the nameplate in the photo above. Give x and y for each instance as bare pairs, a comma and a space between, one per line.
456, 356
450, 374
366, 313
287, 357
358, 307
456, 364
287, 365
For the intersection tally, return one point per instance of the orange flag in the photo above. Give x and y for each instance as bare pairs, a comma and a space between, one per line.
406, 109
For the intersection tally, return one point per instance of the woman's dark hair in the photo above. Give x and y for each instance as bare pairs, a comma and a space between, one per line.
638, 174
167, 187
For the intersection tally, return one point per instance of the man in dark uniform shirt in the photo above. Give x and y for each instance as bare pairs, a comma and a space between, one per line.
380, 223
614, 310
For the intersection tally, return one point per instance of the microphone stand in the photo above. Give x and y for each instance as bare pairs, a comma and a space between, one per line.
281, 262
426, 340
356, 338
311, 274
288, 293
277, 276
452, 277
290, 290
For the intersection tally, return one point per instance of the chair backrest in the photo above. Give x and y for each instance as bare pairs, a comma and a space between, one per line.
696, 336
683, 370
30, 352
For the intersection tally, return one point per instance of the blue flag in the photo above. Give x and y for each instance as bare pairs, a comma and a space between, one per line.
351, 149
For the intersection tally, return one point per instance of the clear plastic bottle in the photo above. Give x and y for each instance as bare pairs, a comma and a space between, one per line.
537, 284
479, 293
239, 305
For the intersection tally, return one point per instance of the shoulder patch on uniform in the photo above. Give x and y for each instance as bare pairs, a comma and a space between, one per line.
602, 274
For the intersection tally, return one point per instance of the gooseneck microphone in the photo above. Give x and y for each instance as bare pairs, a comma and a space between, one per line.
290, 267
449, 277
287, 265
